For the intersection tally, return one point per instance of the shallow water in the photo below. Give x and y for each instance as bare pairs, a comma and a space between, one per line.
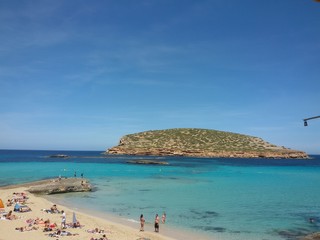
223, 198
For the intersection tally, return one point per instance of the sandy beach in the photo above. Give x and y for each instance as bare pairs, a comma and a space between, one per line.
32, 225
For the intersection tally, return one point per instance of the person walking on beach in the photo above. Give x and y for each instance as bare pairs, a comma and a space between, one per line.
63, 220
142, 221
156, 223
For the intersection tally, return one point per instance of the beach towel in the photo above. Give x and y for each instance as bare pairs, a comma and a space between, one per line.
17, 207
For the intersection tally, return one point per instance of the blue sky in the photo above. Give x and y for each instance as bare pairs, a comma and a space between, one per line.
78, 75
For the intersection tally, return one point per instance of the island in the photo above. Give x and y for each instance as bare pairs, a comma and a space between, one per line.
194, 142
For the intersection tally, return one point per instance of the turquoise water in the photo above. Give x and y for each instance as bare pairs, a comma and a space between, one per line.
223, 198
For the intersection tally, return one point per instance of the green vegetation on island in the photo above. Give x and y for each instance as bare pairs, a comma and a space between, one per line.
200, 143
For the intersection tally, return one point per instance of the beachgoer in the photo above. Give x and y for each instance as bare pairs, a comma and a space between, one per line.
9, 203
53, 225
24, 209
47, 227
96, 230
104, 237
81, 175
10, 216
54, 209
164, 217
63, 220
311, 220
38, 221
75, 174
142, 221
156, 223
29, 228
76, 224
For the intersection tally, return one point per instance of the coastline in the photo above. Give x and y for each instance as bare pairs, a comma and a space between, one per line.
200, 196
172, 233
36, 203
114, 227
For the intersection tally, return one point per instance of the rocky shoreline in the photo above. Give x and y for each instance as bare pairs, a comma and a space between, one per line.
56, 186
285, 154
148, 162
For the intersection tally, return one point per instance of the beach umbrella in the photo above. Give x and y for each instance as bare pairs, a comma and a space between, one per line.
1, 203
74, 219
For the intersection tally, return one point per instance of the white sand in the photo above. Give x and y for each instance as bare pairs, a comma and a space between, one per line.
113, 231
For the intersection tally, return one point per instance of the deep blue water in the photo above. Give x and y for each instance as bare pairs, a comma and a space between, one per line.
224, 198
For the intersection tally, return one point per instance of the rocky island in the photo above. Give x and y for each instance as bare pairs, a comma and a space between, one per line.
200, 143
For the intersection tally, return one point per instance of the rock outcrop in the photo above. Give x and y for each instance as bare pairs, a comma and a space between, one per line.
59, 156
60, 185
148, 162
313, 236
200, 143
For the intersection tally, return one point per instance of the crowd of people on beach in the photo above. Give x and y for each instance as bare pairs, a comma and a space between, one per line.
51, 229
19, 202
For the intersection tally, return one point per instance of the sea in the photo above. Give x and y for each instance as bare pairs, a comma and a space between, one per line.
206, 198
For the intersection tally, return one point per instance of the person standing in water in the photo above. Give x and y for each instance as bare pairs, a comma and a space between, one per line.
164, 217
142, 221
156, 223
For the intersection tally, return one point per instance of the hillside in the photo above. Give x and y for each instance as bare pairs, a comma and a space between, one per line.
200, 143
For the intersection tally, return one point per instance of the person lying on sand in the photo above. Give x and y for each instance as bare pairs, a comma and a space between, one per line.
23, 229
40, 221
65, 233
74, 225
24, 209
22, 194
96, 230
10, 216
35, 221
30, 221
20, 197
102, 238
49, 226
61, 233
53, 209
